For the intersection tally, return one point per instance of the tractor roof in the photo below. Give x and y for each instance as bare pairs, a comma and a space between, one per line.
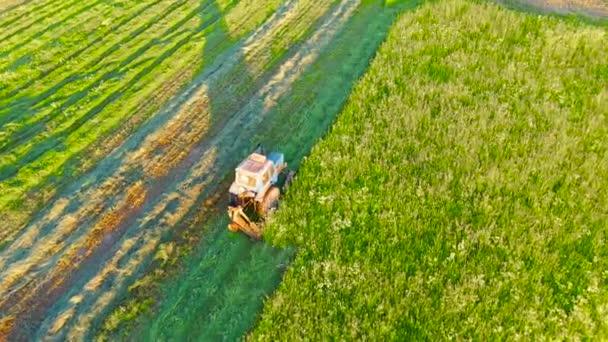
255, 163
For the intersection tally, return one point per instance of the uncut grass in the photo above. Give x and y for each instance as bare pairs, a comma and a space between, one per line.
461, 192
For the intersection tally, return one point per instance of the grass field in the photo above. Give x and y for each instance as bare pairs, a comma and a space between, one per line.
462, 192
482, 130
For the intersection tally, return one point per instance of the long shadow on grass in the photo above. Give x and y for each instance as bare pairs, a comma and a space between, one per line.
65, 5
56, 139
48, 28
4, 23
31, 317
224, 282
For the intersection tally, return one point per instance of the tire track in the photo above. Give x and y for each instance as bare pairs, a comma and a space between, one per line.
252, 279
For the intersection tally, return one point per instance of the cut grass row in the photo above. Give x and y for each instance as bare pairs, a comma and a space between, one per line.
461, 193
11, 5
45, 14
62, 44
120, 72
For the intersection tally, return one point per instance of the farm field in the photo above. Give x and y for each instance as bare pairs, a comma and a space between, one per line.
484, 131
121, 123
118, 139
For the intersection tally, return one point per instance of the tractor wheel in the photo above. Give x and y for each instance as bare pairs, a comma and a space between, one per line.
233, 200
270, 202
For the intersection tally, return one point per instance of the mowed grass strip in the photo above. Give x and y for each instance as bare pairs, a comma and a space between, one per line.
104, 106
105, 98
24, 24
31, 59
462, 192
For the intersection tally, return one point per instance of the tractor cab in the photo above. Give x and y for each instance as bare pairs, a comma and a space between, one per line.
257, 173
255, 186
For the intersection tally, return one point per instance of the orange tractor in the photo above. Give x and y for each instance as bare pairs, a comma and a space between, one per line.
255, 190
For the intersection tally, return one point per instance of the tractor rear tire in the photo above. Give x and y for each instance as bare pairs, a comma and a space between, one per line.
270, 203
233, 200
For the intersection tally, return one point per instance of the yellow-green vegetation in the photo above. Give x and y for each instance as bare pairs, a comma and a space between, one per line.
76, 81
217, 291
462, 193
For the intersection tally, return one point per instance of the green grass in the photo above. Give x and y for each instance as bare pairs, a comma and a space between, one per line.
574, 10
461, 193
58, 106
225, 278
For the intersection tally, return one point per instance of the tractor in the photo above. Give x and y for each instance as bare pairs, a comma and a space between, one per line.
255, 191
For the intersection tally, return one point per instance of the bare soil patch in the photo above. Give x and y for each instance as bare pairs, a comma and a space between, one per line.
592, 8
